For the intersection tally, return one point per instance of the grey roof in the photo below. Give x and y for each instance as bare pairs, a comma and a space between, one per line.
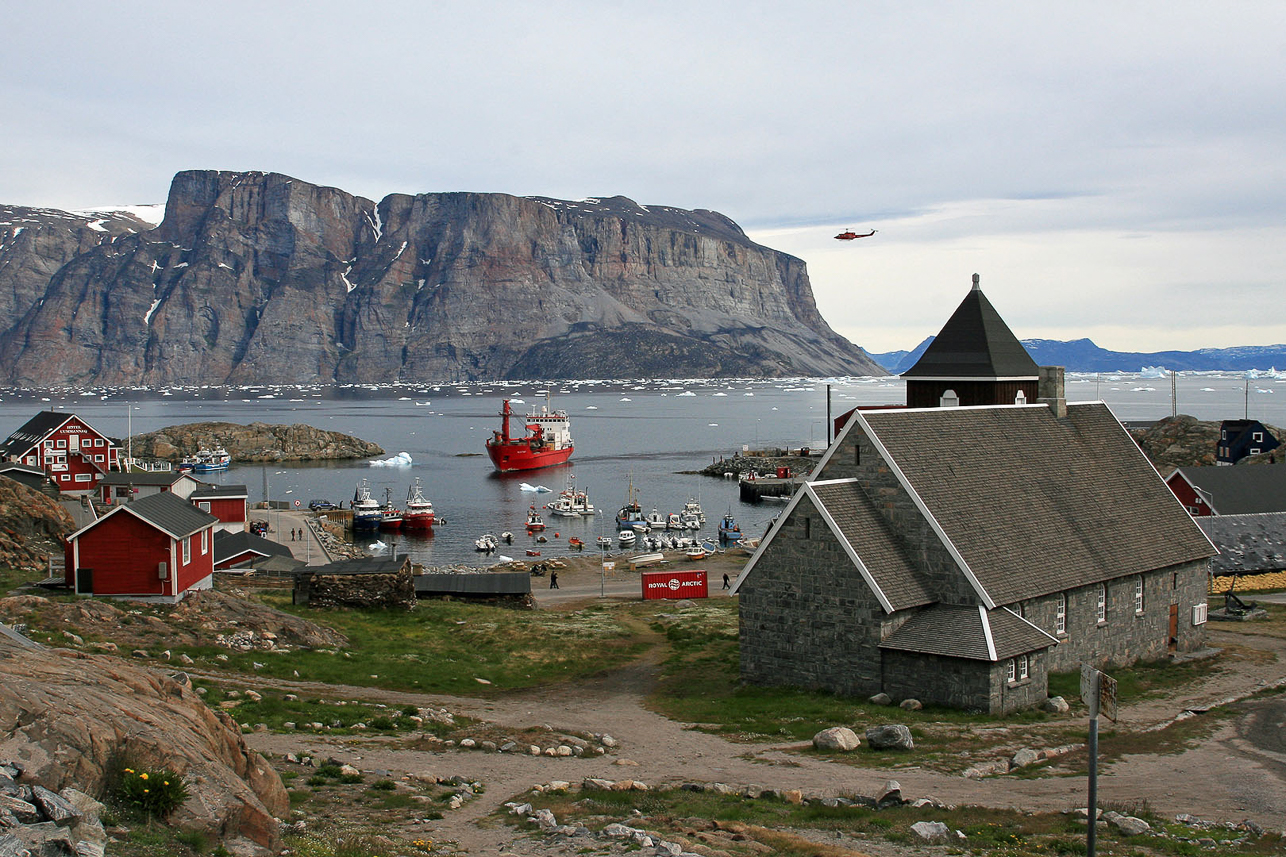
872, 540
212, 491
488, 583
170, 513
228, 545
1241, 490
1033, 504
959, 631
974, 343
141, 477
1248, 544
33, 431
278, 564
361, 565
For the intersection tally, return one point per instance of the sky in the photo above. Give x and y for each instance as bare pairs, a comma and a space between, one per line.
1111, 170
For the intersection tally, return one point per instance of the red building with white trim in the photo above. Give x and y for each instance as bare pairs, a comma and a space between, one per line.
157, 548
70, 450
226, 502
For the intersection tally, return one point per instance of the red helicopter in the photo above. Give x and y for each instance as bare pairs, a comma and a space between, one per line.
849, 235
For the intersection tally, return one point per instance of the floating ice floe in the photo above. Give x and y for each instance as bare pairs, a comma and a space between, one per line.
538, 489
686, 393
623, 399
376, 547
591, 407
1153, 372
402, 459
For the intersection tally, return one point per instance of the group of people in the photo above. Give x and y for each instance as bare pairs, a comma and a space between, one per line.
296, 534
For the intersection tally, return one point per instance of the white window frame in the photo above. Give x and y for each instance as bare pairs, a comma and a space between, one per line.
1060, 615
187, 550
205, 542
1101, 606
1023, 668
1021, 398
84, 477
1200, 613
1257, 436
1138, 595
949, 399
1011, 671
203, 505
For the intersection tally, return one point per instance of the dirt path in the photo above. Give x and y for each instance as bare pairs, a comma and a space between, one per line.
1239, 773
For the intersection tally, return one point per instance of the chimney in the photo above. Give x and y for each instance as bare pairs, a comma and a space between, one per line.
1050, 390
976, 280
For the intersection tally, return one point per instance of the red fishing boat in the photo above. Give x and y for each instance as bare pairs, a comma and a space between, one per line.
546, 442
418, 512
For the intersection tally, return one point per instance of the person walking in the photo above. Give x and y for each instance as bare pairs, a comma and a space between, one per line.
553, 580
725, 581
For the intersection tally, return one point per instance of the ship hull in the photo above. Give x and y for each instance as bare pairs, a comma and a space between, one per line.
511, 457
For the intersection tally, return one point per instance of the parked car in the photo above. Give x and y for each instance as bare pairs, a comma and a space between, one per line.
321, 505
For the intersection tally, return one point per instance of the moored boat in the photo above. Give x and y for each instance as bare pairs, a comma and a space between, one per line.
576, 543
418, 513
631, 514
655, 520
695, 553
729, 530
390, 515
562, 508
646, 559
534, 521
366, 510
211, 460
626, 538
547, 441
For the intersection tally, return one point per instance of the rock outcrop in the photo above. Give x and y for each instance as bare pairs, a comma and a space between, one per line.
260, 278
31, 526
66, 717
1185, 441
255, 442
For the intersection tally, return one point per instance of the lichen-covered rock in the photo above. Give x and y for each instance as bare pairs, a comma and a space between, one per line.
67, 717
31, 526
892, 736
255, 442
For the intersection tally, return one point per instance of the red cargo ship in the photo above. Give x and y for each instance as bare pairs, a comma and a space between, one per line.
548, 441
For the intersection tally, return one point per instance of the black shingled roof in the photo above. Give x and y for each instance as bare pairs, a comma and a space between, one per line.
974, 343
33, 431
1248, 544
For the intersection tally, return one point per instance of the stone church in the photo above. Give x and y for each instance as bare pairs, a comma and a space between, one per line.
960, 549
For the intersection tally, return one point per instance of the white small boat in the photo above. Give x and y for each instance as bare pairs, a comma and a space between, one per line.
695, 553
603, 541
674, 521
646, 559
563, 508
486, 543
655, 520
626, 538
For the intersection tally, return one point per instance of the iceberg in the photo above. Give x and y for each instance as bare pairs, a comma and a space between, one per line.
538, 489
402, 459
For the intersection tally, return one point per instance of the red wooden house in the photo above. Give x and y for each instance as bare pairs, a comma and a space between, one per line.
157, 548
70, 450
225, 502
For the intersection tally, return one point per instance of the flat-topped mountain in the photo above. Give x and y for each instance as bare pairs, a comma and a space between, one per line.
261, 278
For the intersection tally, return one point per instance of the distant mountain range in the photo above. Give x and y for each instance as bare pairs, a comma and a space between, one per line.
1082, 355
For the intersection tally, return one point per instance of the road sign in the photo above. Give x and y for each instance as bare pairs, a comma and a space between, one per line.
1098, 691
296, 504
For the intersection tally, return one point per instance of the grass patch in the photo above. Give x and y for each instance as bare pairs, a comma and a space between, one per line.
446, 647
1143, 680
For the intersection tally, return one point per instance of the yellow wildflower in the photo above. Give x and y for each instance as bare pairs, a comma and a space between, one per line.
142, 776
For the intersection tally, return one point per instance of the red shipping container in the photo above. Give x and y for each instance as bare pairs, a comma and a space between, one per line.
674, 584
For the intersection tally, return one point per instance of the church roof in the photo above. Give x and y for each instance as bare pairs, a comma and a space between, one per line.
975, 344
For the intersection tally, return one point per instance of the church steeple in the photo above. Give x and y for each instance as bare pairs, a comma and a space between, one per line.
974, 360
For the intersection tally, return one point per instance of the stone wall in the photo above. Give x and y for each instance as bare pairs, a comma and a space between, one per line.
392, 591
1126, 636
807, 617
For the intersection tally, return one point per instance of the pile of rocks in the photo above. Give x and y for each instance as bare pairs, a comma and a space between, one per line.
36, 821
889, 736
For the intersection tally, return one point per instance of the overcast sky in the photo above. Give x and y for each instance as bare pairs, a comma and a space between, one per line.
1112, 170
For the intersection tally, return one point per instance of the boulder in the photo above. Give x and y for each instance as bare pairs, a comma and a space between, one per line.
931, 831
892, 736
1055, 705
1024, 757
1131, 826
881, 699
837, 738
95, 709
890, 795
910, 705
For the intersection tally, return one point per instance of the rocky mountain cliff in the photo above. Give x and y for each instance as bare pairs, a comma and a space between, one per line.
260, 278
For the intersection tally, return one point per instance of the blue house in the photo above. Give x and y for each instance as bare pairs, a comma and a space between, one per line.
1240, 438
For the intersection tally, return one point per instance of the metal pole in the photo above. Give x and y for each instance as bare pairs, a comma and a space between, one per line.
1091, 838
828, 417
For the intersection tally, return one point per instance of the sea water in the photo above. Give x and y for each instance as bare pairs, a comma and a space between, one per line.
649, 437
